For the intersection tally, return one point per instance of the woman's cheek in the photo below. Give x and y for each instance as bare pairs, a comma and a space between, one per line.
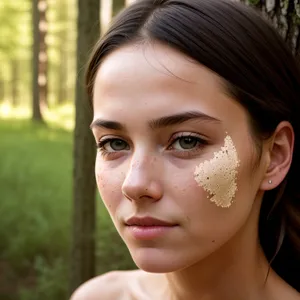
98, 173
109, 182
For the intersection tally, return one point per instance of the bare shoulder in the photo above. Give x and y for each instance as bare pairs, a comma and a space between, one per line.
290, 294
112, 285
282, 290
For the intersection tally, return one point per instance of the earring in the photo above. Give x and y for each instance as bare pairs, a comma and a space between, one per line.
270, 181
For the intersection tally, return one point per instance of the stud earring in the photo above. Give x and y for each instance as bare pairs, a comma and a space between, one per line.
270, 181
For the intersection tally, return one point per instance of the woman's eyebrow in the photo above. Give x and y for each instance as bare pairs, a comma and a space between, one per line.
181, 118
158, 123
113, 125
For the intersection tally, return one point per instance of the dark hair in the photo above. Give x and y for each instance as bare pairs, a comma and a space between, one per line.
260, 72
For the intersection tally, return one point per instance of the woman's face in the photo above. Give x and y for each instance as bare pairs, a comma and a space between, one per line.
174, 147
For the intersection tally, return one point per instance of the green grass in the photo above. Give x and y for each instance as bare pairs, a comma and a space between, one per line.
35, 186
35, 213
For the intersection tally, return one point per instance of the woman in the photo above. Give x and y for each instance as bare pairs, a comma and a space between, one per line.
195, 119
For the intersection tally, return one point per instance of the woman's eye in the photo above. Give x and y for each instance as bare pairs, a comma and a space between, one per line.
186, 143
113, 145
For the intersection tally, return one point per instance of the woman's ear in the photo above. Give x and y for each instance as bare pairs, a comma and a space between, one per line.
280, 153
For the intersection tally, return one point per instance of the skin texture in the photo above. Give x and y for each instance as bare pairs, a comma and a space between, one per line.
214, 252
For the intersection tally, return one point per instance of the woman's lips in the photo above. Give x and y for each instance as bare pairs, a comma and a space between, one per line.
148, 228
149, 232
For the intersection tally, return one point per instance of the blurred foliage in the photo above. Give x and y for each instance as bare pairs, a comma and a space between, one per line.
35, 208
15, 28
254, 2
51, 281
16, 48
117, 6
15, 45
35, 184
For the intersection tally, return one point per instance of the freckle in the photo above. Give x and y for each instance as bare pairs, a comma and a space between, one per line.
213, 241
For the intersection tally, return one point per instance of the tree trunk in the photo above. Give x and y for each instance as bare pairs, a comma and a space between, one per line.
84, 212
14, 82
36, 109
63, 53
109, 8
2, 90
106, 13
43, 57
285, 16
63, 67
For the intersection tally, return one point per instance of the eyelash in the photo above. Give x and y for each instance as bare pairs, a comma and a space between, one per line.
103, 151
181, 153
188, 152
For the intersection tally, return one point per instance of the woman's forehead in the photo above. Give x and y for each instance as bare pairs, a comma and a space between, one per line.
157, 80
153, 61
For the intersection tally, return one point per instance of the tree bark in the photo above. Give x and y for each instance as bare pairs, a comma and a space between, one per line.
36, 109
84, 184
285, 16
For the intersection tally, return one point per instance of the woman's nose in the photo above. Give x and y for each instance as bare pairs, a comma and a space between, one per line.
143, 179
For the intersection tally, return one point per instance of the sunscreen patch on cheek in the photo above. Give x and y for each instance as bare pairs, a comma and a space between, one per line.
218, 176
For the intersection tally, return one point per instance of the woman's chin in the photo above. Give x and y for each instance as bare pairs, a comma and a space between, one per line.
154, 266
157, 260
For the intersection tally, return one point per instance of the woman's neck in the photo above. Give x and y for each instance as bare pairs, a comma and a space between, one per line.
217, 279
